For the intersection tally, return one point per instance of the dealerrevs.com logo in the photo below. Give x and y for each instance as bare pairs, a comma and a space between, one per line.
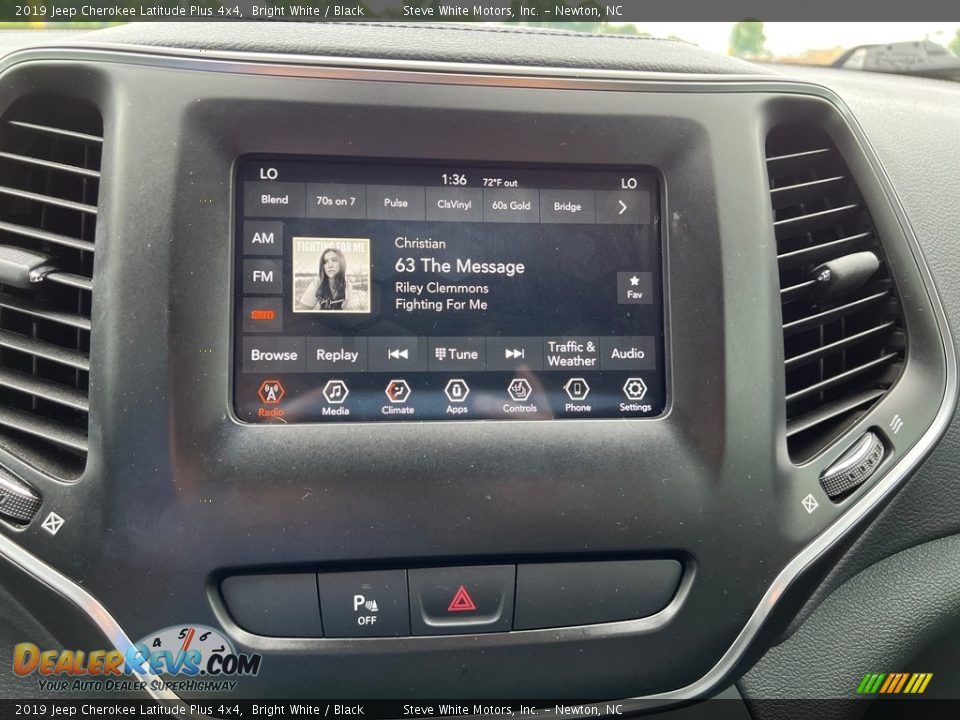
181, 658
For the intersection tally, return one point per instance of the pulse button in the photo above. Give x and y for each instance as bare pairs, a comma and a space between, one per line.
461, 600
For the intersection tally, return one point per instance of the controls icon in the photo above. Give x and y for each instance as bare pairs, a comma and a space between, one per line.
457, 390
398, 391
335, 392
271, 392
514, 353
635, 388
398, 354
519, 389
577, 388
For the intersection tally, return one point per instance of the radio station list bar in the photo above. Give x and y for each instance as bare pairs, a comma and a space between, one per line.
336, 201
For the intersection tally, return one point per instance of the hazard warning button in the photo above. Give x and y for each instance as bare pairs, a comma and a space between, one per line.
461, 600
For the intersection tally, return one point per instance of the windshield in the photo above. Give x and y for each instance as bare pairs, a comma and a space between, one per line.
902, 45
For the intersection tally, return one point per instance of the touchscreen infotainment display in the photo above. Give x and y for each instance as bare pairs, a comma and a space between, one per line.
405, 291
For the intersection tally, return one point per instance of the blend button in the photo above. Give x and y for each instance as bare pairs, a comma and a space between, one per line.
273, 199
461, 600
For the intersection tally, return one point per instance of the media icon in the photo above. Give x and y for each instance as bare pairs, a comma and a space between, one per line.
398, 353
519, 389
335, 392
514, 354
577, 388
398, 391
457, 390
635, 388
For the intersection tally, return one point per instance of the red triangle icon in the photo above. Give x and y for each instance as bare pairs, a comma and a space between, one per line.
461, 601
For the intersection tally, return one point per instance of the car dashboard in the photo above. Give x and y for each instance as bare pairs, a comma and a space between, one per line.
448, 362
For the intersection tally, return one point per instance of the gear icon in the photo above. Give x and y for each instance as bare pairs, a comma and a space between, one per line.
635, 388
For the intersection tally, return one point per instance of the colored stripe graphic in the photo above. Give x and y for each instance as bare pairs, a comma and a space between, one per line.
894, 683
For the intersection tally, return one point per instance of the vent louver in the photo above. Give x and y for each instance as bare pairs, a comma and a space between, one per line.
50, 152
842, 330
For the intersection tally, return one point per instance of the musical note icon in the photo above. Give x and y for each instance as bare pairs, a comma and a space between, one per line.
335, 392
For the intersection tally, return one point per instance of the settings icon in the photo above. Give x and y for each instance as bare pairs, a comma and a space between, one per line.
635, 388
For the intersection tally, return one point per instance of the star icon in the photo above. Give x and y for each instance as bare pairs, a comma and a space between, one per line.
634, 281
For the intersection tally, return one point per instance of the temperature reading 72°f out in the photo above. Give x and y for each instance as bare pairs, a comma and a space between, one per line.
500, 182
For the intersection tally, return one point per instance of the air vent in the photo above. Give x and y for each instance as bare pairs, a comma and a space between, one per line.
49, 178
842, 329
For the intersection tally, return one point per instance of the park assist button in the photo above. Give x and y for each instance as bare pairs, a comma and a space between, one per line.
364, 604
461, 600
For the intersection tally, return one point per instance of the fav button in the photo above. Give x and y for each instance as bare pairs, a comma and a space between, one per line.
461, 600
364, 604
